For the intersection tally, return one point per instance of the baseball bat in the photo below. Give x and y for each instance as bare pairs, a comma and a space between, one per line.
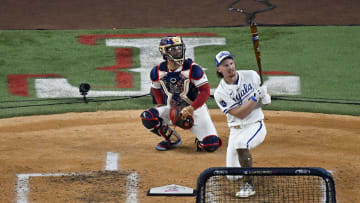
255, 40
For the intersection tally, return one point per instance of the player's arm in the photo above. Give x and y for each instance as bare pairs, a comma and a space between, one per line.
203, 96
241, 111
263, 94
155, 86
228, 105
204, 93
199, 78
158, 95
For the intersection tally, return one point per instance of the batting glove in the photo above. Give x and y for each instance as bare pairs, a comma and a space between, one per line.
260, 93
266, 100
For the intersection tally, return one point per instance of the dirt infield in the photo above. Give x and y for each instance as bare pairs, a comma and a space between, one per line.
39, 154
79, 143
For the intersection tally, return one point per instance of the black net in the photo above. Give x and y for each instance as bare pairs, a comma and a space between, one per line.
306, 189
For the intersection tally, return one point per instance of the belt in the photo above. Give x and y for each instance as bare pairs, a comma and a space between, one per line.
244, 125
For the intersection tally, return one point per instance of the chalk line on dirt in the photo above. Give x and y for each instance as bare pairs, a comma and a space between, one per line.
23, 184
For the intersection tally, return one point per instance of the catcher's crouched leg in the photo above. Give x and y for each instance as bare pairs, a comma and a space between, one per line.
151, 120
210, 143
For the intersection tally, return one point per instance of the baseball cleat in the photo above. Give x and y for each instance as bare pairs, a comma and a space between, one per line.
166, 145
246, 190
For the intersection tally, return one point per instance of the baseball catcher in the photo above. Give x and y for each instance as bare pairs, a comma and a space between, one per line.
180, 88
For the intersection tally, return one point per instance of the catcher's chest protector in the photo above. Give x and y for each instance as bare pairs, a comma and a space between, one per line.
178, 88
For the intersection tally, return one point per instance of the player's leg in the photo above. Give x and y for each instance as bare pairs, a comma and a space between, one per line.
157, 121
232, 157
251, 137
204, 129
255, 135
245, 160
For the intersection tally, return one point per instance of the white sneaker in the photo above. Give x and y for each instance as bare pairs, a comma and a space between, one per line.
246, 190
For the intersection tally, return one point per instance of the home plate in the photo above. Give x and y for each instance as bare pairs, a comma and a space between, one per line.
171, 190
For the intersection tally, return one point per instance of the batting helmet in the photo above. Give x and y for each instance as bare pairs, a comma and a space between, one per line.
173, 48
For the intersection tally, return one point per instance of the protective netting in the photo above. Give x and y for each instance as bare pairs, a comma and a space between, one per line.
222, 185
268, 189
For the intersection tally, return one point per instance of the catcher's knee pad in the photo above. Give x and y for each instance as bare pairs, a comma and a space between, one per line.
150, 118
210, 143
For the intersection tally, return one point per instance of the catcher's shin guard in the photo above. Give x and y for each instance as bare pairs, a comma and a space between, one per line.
171, 138
210, 143
153, 122
166, 132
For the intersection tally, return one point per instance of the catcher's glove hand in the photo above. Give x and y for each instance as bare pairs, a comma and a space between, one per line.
187, 111
184, 122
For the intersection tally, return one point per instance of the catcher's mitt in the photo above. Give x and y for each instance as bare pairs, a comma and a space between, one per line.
179, 120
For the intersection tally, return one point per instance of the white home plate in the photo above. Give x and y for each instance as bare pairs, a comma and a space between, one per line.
171, 190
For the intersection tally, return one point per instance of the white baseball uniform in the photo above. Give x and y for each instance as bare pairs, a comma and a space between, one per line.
245, 133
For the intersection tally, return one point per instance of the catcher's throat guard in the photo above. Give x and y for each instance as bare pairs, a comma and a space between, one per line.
179, 120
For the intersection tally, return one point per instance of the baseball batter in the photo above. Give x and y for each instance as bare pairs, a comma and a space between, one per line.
239, 95
179, 85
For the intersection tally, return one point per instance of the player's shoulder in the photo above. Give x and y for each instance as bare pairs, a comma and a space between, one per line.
189, 64
154, 73
220, 96
217, 92
195, 69
220, 89
249, 74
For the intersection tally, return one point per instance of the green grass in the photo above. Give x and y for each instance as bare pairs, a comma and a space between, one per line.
325, 58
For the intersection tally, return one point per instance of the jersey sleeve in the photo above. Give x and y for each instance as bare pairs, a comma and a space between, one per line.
155, 85
204, 93
224, 102
158, 95
154, 77
197, 75
256, 78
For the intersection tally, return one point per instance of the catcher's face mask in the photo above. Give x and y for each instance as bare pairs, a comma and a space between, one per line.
176, 51
173, 48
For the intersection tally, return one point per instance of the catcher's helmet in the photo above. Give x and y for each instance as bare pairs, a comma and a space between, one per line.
173, 48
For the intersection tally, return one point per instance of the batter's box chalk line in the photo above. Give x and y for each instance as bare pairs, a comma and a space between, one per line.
111, 164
